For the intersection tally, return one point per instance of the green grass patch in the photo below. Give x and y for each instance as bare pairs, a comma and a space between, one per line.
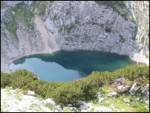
10, 22
39, 7
23, 13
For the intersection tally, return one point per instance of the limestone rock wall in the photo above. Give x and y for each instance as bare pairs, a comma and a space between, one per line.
140, 12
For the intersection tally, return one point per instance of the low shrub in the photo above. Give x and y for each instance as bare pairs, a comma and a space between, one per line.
5, 79
71, 92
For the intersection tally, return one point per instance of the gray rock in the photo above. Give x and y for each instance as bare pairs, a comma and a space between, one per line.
119, 81
123, 88
126, 100
58, 109
70, 105
145, 91
31, 93
85, 106
49, 101
111, 94
134, 88
121, 85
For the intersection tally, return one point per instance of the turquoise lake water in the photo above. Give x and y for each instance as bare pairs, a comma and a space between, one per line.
66, 66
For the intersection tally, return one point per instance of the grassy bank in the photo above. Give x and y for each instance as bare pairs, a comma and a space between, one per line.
71, 92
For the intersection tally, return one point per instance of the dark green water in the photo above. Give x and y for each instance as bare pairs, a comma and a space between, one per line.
67, 66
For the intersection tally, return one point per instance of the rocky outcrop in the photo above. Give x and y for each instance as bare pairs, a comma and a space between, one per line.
140, 12
121, 85
137, 88
18, 101
45, 27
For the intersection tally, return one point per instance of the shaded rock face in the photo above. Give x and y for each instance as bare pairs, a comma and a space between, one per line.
90, 26
65, 25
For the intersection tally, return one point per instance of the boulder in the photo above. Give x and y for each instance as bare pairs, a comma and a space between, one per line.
70, 105
121, 85
122, 88
84, 105
134, 88
49, 101
126, 100
145, 91
111, 94
31, 93
118, 81
58, 109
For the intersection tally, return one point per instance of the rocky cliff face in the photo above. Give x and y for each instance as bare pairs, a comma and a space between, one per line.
140, 12
44, 27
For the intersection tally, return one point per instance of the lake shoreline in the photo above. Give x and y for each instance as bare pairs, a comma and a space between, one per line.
136, 58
